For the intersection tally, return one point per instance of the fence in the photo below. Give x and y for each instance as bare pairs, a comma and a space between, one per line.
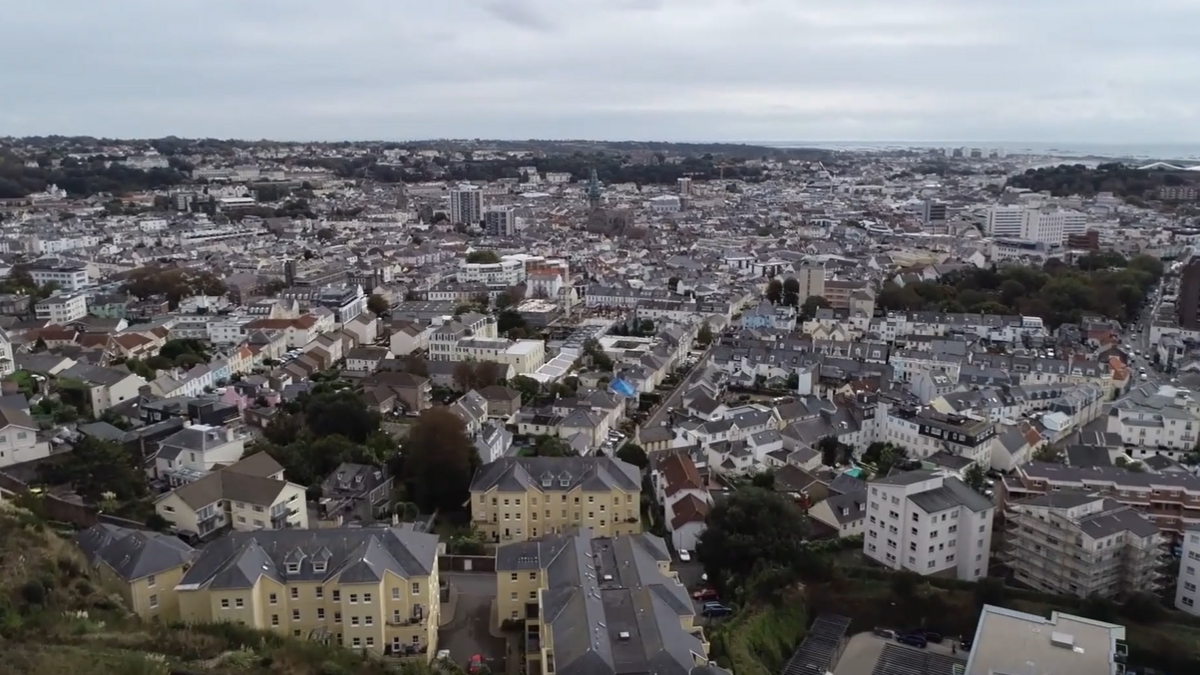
62, 510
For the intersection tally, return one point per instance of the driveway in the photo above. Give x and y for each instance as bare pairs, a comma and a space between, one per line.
469, 633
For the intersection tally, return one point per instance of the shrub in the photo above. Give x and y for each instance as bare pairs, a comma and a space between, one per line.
33, 593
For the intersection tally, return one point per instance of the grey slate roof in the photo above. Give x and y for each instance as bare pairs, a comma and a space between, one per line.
609, 607
518, 474
351, 555
133, 554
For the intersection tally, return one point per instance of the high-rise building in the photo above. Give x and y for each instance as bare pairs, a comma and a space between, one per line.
500, 221
1005, 221
811, 276
685, 186
1189, 296
1073, 543
933, 212
466, 205
1045, 225
1187, 595
929, 524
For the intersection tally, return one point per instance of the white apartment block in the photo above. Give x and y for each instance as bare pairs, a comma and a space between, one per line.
68, 278
1156, 420
62, 308
500, 221
229, 331
1045, 224
466, 205
507, 273
1072, 543
1187, 597
811, 277
929, 524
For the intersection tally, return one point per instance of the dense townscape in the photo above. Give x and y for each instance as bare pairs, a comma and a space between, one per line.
586, 408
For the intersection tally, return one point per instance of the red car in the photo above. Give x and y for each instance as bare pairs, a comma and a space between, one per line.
475, 665
705, 594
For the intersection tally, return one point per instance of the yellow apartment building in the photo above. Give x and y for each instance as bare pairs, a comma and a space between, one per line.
146, 566
606, 606
520, 498
371, 588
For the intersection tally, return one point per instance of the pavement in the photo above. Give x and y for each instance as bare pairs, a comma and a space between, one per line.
468, 631
863, 650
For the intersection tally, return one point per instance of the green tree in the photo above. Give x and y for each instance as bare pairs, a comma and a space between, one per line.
510, 298
791, 291
705, 335
340, 413
976, 478
552, 446
438, 460
633, 454
774, 292
828, 447
483, 256
811, 304
750, 531
529, 388
378, 305
95, 467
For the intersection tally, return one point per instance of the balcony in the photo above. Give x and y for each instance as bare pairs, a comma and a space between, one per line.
280, 520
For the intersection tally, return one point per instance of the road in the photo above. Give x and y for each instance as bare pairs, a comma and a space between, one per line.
672, 401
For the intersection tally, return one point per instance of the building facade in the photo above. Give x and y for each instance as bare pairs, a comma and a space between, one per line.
1081, 544
521, 498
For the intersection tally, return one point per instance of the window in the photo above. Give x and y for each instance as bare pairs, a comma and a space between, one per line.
274, 619
916, 518
354, 621
1188, 601
370, 641
1189, 586
533, 595
337, 617
295, 615
416, 588
150, 581
320, 592
357, 642
396, 593
153, 601
273, 599
318, 567
337, 595
238, 603
513, 576
354, 598
513, 595
321, 613
224, 603
533, 576
293, 568
295, 593
368, 620
366, 598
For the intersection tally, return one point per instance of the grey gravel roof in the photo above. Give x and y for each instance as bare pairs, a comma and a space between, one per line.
351, 555
133, 554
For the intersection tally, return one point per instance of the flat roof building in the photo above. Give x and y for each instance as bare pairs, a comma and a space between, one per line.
1008, 642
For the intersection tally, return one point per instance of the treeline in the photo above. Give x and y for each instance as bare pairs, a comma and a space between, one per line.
1077, 179
1101, 283
610, 168
80, 179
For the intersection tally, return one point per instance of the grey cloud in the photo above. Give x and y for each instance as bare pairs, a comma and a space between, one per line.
1083, 70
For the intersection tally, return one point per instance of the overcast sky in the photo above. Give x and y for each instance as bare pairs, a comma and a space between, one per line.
757, 70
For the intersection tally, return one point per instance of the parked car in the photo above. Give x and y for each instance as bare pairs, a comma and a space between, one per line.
443, 654
912, 640
933, 637
706, 594
714, 610
475, 665
684, 556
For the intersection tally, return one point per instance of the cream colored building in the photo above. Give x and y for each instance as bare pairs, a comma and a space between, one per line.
1083, 544
371, 588
519, 498
145, 566
525, 356
605, 606
251, 494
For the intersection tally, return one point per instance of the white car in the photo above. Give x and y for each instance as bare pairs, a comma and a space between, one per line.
684, 556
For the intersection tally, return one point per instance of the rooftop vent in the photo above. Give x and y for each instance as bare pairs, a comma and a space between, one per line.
1063, 640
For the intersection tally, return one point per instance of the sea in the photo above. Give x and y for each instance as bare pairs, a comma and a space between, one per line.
1151, 151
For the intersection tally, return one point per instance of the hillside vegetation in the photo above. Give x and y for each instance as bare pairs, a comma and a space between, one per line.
58, 616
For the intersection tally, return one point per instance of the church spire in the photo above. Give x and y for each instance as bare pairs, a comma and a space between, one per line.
593, 190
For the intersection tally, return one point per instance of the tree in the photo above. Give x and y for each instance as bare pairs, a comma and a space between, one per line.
464, 375
791, 292
811, 304
340, 413
705, 336
174, 349
552, 446
95, 467
774, 292
509, 298
750, 531
529, 388
378, 304
325, 234
976, 478
828, 447
438, 460
484, 257
634, 454
672, 284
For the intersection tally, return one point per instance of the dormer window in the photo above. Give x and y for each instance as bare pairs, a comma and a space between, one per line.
564, 482
546, 482
318, 566
293, 568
